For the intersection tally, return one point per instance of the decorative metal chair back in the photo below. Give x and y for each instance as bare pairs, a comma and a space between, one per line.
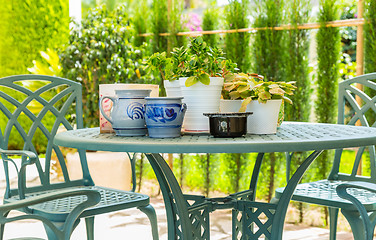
357, 107
33, 108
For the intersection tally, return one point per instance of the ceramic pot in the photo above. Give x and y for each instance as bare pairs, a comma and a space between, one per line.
164, 116
127, 114
200, 99
228, 124
172, 88
264, 118
109, 90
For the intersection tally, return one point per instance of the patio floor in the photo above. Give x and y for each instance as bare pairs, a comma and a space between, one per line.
135, 225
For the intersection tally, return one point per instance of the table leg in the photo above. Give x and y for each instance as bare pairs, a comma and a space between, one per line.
178, 221
255, 175
283, 203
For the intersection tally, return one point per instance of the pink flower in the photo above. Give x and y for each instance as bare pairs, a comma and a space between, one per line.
192, 21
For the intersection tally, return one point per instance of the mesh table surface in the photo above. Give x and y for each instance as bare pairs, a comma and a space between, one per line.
290, 137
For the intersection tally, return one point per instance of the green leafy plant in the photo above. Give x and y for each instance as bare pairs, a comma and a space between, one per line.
199, 62
100, 51
49, 66
158, 62
251, 87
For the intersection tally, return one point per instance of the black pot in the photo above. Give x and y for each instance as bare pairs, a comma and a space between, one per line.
228, 124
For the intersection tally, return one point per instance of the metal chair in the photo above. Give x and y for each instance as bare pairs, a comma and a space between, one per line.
323, 192
34, 108
366, 215
63, 230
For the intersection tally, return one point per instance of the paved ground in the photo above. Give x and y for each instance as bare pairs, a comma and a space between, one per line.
133, 224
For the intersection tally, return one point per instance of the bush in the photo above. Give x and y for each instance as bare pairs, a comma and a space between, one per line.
237, 44
28, 27
100, 52
210, 22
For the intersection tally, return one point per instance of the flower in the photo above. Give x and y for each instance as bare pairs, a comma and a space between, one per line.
192, 21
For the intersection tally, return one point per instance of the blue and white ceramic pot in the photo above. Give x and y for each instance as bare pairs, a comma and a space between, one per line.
127, 114
164, 116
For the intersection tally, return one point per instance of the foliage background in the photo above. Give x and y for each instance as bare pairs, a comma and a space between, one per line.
27, 27
100, 51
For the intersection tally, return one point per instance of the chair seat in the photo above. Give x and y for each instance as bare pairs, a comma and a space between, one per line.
324, 193
111, 200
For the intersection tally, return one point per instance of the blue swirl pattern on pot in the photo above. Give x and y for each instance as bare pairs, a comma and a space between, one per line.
164, 116
127, 114
164, 113
135, 110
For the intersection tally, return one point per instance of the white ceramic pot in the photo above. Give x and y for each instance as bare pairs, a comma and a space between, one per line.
264, 118
172, 88
200, 99
227, 106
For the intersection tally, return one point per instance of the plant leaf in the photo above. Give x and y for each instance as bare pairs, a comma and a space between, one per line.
264, 96
287, 99
234, 95
245, 103
277, 90
191, 81
243, 88
204, 79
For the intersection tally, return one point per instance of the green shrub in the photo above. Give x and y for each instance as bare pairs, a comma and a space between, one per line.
328, 55
297, 65
268, 52
140, 9
28, 27
370, 36
237, 44
99, 52
159, 24
370, 47
210, 22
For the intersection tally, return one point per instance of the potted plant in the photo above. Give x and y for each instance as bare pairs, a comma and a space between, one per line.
246, 89
200, 69
160, 63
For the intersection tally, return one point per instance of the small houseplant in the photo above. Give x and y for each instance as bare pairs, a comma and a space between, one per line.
200, 69
159, 63
169, 68
252, 94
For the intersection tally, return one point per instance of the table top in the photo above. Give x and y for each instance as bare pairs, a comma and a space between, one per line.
290, 137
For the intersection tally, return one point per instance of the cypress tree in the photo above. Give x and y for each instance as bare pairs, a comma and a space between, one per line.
159, 23
297, 41
210, 22
328, 55
370, 36
237, 44
268, 52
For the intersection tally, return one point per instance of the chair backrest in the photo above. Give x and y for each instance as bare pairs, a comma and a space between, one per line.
356, 106
33, 108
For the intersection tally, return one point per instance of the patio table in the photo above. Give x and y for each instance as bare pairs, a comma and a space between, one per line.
290, 137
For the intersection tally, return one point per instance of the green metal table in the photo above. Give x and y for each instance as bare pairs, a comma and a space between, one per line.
188, 216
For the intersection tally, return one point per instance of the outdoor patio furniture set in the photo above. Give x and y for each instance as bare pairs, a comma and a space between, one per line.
60, 206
